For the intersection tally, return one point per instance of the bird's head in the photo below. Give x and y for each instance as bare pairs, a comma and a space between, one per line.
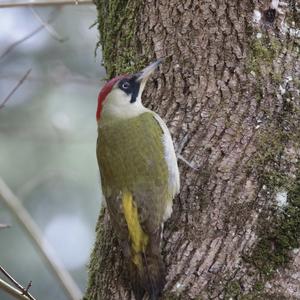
121, 96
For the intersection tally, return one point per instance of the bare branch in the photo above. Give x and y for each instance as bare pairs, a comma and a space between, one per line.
52, 17
12, 291
45, 3
18, 285
44, 248
15, 88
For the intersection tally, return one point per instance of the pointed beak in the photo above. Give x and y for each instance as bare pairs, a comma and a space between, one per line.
145, 73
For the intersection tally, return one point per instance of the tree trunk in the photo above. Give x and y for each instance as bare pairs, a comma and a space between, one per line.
229, 92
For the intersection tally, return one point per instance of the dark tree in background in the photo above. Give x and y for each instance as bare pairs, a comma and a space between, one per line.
229, 92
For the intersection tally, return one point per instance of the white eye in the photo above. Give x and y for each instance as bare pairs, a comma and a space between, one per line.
125, 85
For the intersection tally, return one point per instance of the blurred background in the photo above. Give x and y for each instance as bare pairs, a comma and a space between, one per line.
47, 140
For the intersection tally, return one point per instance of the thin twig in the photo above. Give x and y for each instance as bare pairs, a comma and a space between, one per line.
17, 285
44, 248
94, 24
4, 286
15, 44
45, 3
3, 226
47, 26
28, 286
52, 17
15, 88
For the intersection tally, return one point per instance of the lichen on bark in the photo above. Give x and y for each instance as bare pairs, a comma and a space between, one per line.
263, 51
277, 158
275, 244
117, 24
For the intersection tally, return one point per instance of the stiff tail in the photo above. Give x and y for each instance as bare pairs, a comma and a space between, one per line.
146, 268
149, 275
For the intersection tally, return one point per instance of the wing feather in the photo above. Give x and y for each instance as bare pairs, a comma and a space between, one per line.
137, 155
170, 157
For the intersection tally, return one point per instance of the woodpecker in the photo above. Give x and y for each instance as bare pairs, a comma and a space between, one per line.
139, 177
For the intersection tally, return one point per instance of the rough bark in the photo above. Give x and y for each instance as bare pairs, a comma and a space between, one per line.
229, 93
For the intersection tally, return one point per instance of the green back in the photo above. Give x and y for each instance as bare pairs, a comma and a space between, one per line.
131, 157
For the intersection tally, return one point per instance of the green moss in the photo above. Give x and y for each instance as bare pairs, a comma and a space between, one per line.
276, 241
232, 290
263, 51
258, 286
277, 77
259, 93
106, 244
117, 21
94, 267
278, 229
266, 161
262, 296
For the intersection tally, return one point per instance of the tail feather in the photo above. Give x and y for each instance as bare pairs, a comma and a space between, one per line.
146, 265
148, 277
137, 288
154, 276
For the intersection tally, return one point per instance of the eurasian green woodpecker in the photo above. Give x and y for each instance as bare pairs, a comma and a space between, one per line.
139, 176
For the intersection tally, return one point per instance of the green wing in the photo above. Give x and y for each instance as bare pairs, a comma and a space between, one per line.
131, 158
